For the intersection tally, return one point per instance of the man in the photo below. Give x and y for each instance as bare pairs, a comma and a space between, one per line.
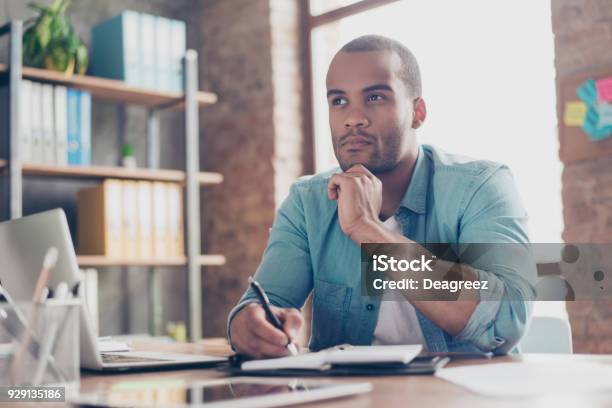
390, 190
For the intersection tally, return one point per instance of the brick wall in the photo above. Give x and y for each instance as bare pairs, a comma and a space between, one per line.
253, 135
583, 33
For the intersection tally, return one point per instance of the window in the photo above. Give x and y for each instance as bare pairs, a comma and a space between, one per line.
323, 6
488, 81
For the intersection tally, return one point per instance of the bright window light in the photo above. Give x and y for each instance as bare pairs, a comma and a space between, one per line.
488, 80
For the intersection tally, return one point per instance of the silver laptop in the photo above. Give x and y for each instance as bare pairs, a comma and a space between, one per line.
23, 244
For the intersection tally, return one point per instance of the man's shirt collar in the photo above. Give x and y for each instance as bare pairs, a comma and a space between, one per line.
415, 198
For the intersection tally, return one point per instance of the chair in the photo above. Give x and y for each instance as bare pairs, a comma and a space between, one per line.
547, 335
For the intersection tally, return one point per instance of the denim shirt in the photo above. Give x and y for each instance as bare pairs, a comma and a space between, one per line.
450, 199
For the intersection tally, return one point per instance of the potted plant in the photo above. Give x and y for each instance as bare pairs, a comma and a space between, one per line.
50, 41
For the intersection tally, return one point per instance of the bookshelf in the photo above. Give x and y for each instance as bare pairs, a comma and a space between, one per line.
100, 261
102, 172
111, 90
15, 173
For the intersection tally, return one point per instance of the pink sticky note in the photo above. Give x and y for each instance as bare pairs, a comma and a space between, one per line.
604, 89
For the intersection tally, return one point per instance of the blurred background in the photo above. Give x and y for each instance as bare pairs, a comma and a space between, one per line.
493, 74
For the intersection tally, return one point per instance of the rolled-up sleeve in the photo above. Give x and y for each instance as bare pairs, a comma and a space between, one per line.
495, 217
285, 271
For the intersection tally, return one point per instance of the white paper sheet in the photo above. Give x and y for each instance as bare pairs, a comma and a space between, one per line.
530, 379
350, 355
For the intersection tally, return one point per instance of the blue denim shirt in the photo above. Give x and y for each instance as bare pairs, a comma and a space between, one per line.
450, 199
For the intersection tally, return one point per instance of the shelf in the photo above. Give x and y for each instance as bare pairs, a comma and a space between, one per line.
113, 90
211, 260
102, 172
99, 260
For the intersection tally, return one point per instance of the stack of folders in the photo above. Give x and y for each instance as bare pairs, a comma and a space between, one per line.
131, 220
141, 49
55, 125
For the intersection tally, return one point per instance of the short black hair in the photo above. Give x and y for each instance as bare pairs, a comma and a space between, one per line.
409, 72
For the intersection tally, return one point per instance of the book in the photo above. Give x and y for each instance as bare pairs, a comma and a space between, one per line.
147, 51
100, 219
60, 95
163, 51
36, 117
175, 217
351, 355
48, 127
73, 118
131, 246
85, 127
115, 48
145, 219
161, 241
25, 138
178, 47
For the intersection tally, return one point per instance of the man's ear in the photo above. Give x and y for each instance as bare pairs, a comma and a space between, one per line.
420, 113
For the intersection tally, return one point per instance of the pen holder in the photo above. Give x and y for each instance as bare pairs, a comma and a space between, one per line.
40, 344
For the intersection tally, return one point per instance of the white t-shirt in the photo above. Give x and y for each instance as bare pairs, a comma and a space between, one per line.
397, 319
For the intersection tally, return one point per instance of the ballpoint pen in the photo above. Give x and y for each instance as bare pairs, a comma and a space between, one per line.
61, 293
265, 303
41, 284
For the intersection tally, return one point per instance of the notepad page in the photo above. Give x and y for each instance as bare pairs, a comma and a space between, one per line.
306, 361
351, 355
374, 354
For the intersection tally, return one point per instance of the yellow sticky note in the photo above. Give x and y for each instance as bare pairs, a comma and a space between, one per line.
575, 111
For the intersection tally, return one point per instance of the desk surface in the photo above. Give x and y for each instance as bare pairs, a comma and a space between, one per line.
389, 391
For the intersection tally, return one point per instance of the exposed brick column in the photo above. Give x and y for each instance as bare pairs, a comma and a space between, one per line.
583, 33
250, 58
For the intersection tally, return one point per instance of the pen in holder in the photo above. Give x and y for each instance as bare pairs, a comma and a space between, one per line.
43, 350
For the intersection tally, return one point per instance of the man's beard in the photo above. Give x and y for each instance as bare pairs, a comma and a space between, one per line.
381, 158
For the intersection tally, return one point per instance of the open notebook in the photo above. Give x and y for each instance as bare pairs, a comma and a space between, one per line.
351, 355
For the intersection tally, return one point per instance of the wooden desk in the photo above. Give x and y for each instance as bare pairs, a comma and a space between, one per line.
389, 391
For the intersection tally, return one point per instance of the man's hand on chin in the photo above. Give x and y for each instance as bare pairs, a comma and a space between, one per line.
359, 196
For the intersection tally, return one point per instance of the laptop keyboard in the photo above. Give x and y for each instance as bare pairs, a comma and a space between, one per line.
118, 358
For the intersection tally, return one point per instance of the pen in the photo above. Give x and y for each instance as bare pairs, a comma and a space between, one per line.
265, 303
48, 264
61, 293
41, 283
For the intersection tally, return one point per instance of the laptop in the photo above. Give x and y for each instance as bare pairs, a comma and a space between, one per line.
23, 244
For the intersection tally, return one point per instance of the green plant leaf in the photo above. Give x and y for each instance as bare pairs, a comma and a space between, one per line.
32, 51
82, 59
43, 31
52, 42
59, 27
63, 7
42, 9
56, 6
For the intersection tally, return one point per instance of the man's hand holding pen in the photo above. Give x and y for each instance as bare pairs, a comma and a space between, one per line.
252, 334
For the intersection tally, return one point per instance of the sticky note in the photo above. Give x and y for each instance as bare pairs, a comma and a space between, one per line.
604, 110
604, 89
597, 123
575, 112
587, 92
